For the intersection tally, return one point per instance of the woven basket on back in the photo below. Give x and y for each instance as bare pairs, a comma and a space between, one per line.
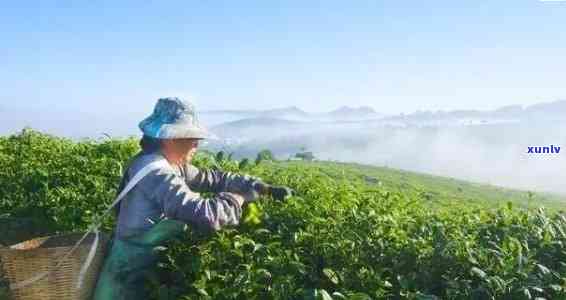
25, 260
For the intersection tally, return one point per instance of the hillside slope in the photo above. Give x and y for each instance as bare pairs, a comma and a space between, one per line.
436, 190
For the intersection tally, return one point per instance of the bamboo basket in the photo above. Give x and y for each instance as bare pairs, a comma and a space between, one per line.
23, 261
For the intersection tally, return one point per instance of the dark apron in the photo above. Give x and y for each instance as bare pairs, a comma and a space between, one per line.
130, 262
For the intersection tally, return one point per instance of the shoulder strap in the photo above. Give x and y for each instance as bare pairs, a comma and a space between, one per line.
153, 166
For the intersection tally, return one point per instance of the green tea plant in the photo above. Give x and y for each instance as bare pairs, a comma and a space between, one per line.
341, 237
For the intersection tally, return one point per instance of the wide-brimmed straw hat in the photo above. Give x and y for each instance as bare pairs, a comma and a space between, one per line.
173, 118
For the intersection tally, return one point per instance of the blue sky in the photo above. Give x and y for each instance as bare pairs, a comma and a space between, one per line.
396, 56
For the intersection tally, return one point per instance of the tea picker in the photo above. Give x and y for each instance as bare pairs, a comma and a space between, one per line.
159, 196
163, 201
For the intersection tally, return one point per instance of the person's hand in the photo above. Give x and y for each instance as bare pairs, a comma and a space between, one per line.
281, 193
262, 188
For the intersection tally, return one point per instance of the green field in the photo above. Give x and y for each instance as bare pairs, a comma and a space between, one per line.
439, 191
352, 232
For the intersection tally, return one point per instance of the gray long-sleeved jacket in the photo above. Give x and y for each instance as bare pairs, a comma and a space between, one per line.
172, 192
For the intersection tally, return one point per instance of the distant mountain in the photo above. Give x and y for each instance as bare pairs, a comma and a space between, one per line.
292, 120
543, 111
356, 114
553, 110
344, 113
251, 127
256, 122
286, 111
291, 113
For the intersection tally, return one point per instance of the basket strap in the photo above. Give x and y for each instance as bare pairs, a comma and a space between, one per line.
89, 259
153, 166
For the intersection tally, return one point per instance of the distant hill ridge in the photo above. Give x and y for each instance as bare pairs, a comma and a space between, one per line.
547, 110
258, 121
294, 110
361, 109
